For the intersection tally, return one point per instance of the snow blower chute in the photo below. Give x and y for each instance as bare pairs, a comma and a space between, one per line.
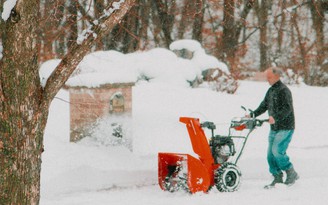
213, 166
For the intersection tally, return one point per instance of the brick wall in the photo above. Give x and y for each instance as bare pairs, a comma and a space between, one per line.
89, 104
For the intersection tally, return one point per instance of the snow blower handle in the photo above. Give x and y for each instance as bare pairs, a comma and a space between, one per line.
251, 112
260, 122
257, 121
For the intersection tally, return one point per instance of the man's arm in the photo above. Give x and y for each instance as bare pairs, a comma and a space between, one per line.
262, 107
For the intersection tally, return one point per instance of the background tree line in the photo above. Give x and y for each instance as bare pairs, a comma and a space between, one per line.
288, 33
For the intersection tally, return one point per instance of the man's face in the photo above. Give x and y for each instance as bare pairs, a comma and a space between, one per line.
271, 77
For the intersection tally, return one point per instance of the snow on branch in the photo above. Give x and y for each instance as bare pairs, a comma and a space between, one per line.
7, 7
77, 51
1, 49
107, 12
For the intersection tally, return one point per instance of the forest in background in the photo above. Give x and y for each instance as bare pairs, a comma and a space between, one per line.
247, 35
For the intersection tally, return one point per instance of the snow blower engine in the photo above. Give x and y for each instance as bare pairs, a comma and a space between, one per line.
214, 166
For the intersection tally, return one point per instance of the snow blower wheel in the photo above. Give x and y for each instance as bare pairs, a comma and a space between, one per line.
227, 177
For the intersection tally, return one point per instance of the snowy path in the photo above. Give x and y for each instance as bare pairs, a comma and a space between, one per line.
83, 174
87, 185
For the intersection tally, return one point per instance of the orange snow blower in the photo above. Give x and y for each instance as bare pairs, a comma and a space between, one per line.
212, 167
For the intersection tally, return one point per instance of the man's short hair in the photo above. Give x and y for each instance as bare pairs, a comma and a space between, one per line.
277, 71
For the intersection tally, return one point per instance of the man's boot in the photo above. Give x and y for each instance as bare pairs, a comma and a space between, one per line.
292, 176
276, 179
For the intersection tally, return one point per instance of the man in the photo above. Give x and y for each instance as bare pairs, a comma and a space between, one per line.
279, 104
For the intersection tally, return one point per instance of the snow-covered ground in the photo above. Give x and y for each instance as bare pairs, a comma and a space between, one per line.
88, 173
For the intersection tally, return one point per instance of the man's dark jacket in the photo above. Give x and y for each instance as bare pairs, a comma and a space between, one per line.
279, 103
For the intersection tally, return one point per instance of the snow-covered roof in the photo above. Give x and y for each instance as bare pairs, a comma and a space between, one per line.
157, 65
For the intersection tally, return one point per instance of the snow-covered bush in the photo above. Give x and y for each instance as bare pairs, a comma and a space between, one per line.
290, 77
217, 80
110, 131
214, 73
319, 75
155, 65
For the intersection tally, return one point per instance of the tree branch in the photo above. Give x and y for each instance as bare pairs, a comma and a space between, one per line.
258, 27
83, 12
77, 51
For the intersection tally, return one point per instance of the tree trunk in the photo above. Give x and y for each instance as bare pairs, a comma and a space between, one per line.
231, 32
262, 14
98, 9
53, 35
22, 121
281, 27
301, 44
318, 18
131, 27
166, 20
24, 103
229, 40
144, 13
72, 23
198, 20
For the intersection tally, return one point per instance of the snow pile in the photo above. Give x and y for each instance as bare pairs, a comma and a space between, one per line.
156, 65
200, 58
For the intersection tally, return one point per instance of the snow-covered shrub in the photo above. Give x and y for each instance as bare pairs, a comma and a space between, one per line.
218, 80
319, 75
110, 131
214, 74
290, 77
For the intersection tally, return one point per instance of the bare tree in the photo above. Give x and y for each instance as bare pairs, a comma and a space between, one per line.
166, 18
198, 20
25, 103
231, 31
262, 9
318, 17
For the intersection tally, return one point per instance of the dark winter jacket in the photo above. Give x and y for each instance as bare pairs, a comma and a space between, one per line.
279, 103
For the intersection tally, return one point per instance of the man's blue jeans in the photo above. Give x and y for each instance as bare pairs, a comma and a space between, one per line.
277, 156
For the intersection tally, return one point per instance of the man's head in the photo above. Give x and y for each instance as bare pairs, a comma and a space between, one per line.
273, 75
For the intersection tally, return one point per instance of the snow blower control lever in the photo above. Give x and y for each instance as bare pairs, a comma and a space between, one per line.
216, 164
209, 125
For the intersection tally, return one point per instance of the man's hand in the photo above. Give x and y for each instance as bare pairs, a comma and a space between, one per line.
271, 120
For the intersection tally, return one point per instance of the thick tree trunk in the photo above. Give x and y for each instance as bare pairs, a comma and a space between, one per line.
24, 103
22, 121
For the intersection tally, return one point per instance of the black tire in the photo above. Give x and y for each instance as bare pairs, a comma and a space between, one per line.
227, 177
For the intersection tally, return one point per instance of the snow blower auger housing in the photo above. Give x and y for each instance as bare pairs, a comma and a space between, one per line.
213, 166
